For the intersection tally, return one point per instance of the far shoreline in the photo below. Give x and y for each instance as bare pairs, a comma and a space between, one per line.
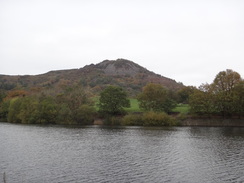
186, 122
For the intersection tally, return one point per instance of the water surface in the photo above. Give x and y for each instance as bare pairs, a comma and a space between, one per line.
55, 154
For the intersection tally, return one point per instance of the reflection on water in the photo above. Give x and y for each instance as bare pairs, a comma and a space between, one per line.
126, 154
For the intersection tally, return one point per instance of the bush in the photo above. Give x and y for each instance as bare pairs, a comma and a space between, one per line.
14, 110
132, 120
149, 119
4, 109
64, 115
157, 119
84, 115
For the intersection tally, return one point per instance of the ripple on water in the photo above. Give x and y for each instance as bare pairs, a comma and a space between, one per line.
59, 154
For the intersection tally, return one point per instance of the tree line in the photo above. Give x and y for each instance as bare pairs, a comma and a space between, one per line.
224, 97
71, 106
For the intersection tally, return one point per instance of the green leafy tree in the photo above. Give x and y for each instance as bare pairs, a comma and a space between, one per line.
47, 111
4, 109
64, 114
28, 107
14, 110
3, 106
2, 96
70, 106
238, 99
112, 100
223, 86
184, 94
155, 97
202, 100
84, 115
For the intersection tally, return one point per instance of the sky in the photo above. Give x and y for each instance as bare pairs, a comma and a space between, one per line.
189, 41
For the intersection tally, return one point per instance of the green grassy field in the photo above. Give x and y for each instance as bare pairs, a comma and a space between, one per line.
134, 106
182, 108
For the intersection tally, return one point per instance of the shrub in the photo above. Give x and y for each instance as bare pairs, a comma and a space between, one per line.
132, 120
64, 115
4, 109
84, 115
157, 119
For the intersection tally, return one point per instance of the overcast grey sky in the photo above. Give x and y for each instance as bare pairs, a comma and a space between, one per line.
186, 40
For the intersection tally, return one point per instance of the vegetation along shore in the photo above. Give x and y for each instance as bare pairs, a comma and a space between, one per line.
120, 93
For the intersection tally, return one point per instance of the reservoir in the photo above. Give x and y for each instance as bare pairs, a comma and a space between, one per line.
59, 154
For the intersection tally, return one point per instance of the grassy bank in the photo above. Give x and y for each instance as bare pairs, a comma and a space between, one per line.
181, 108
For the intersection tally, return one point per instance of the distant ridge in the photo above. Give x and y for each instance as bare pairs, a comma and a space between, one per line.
94, 77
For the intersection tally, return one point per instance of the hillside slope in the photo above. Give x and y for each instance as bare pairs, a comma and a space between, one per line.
121, 72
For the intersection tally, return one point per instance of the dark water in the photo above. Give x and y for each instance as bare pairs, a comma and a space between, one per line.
50, 154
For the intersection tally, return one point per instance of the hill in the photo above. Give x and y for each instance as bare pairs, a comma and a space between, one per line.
94, 78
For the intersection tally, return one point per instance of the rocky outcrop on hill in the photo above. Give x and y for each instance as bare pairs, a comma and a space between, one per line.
120, 67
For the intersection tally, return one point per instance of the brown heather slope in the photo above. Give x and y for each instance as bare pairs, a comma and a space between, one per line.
121, 72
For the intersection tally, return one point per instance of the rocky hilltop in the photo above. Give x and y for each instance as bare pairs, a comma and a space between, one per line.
94, 77
120, 67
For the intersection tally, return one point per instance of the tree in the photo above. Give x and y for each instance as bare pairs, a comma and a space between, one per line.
3, 106
2, 95
223, 97
225, 81
223, 85
112, 100
84, 115
184, 94
202, 100
154, 97
74, 98
28, 109
238, 98
4, 109
75, 106
14, 110
47, 110
15, 93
